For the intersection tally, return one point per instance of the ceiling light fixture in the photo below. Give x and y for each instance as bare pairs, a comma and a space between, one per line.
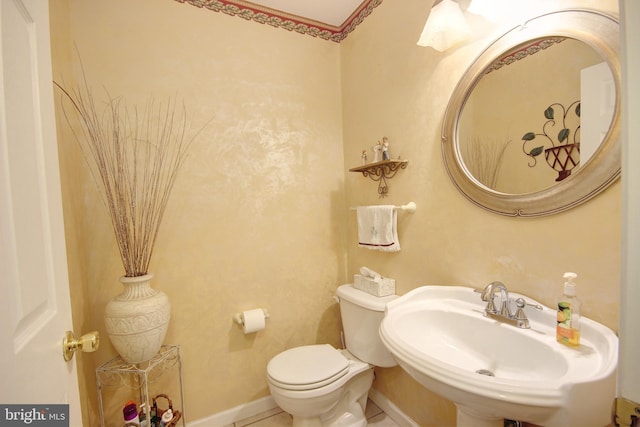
445, 27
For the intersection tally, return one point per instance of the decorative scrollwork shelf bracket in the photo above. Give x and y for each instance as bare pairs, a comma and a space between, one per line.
380, 172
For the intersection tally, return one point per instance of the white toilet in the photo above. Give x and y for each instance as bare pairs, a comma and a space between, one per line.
324, 387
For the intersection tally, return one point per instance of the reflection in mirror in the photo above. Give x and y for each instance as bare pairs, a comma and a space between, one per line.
525, 125
540, 85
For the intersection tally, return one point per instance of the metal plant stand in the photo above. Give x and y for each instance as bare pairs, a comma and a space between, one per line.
140, 378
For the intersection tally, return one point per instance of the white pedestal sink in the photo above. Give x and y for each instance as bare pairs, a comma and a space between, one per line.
492, 370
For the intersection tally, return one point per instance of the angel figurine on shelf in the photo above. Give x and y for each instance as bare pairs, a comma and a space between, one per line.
376, 152
385, 148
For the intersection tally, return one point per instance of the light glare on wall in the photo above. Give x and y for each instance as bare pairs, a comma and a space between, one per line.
492, 10
445, 27
503, 11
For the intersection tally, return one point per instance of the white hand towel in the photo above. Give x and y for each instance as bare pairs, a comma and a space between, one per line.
377, 228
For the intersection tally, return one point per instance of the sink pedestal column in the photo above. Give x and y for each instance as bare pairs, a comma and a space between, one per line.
468, 418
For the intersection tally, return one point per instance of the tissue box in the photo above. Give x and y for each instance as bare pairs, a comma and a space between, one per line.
380, 288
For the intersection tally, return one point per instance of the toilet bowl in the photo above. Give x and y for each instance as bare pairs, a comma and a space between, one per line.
321, 386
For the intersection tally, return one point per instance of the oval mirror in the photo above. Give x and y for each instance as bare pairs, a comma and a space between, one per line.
532, 128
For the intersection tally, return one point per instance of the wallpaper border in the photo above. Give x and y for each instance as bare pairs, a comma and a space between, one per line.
253, 12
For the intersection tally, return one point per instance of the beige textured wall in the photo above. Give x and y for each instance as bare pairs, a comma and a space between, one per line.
257, 216
259, 213
72, 177
393, 87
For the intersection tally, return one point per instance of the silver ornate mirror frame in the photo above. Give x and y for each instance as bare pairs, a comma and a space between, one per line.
598, 30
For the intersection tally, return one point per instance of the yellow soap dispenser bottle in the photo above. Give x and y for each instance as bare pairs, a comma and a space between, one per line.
568, 327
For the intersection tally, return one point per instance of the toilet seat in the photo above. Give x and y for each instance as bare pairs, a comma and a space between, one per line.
308, 367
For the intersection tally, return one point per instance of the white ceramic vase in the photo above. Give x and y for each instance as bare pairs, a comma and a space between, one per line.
137, 319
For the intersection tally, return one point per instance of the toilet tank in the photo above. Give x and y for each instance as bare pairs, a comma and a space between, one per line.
361, 316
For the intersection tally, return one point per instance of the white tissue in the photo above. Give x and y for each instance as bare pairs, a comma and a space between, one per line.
367, 272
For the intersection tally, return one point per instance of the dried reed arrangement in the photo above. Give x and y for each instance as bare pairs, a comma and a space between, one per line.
134, 157
484, 158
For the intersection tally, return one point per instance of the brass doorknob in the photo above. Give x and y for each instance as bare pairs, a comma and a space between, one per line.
87, 343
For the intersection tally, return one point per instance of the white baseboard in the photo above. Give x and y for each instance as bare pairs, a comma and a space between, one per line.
235, 414
265, 404
390, 409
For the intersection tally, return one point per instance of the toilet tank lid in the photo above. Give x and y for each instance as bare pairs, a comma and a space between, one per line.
363, 299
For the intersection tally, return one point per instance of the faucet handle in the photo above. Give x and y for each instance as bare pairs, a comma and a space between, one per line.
486, 294
520, 303
520, 317
488, 298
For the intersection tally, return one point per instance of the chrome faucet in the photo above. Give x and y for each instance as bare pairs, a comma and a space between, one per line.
488, 295
519, 319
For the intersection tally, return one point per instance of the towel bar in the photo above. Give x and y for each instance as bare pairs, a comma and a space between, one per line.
409, 207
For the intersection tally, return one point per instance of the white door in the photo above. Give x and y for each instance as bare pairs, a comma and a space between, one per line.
598, 103
629, 368
35, 309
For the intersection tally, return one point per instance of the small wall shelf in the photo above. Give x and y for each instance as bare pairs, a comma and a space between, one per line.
380, 172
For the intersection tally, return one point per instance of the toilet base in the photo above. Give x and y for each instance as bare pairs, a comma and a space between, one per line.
348, 410
353, 417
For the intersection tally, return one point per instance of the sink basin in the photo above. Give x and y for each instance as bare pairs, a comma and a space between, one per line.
493, 370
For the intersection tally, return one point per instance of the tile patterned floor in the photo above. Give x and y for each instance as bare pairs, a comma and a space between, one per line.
278, 418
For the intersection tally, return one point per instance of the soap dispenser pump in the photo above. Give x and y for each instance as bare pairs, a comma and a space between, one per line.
568, 327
